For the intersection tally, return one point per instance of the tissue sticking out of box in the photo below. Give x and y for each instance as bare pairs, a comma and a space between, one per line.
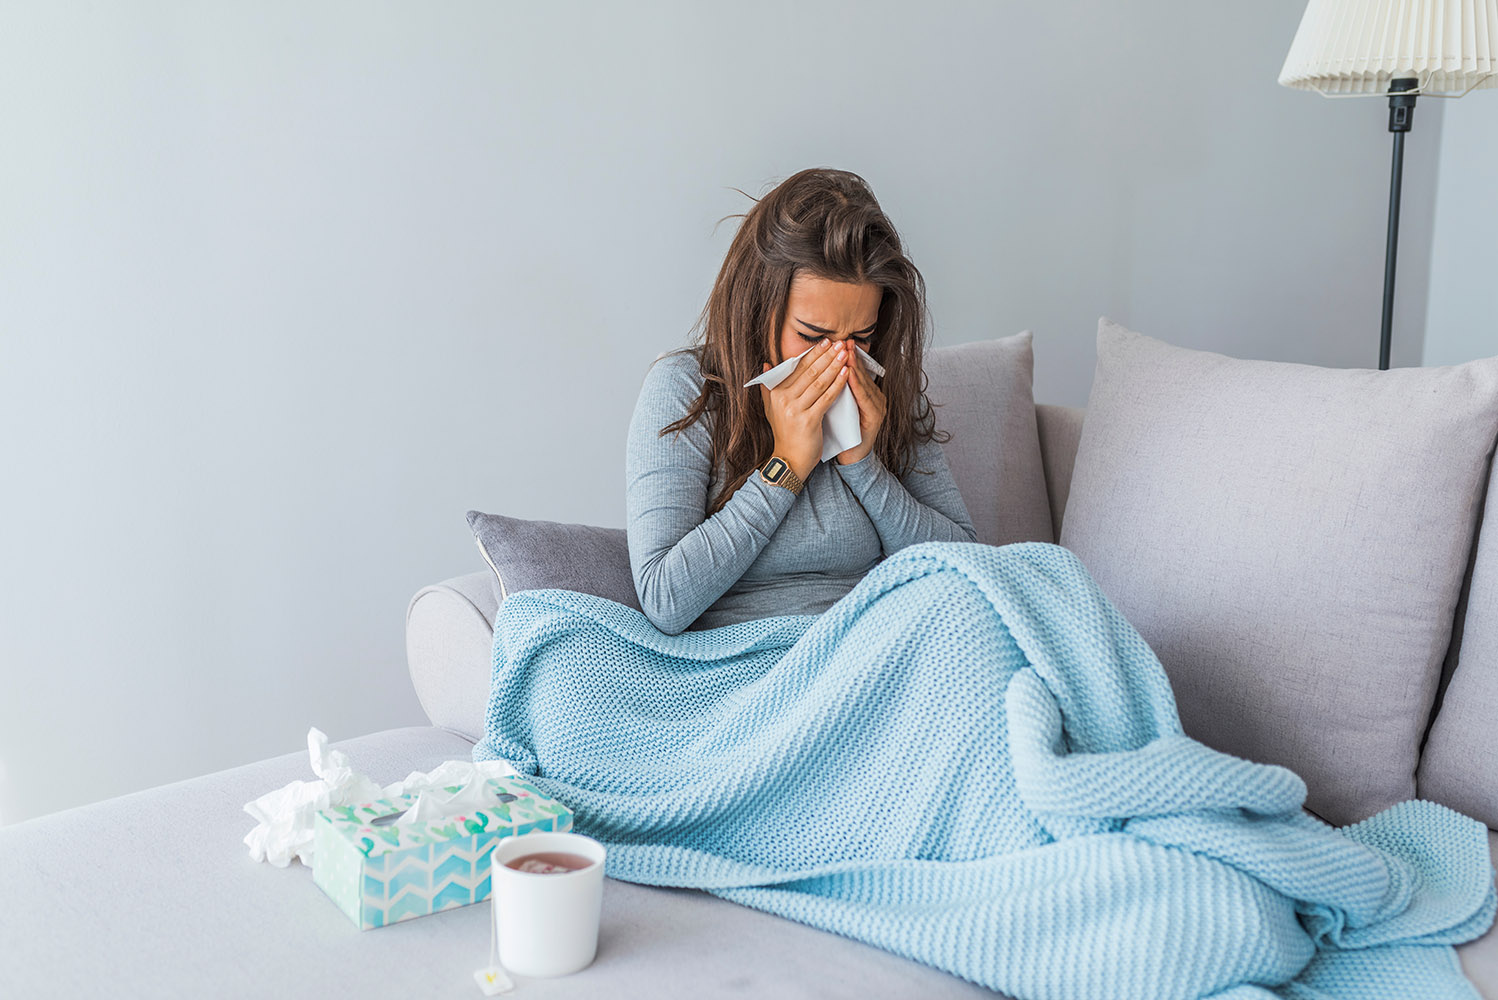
285, 818
434, 803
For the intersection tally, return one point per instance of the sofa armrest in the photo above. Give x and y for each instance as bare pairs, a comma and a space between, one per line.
449, 650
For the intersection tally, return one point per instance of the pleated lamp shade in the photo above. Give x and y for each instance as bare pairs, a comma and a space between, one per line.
1358, 46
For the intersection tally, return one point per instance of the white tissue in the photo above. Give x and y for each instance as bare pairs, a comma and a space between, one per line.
284, 818
436, 803
840, 424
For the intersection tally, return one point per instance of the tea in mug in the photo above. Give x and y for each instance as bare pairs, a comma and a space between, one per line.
548, 863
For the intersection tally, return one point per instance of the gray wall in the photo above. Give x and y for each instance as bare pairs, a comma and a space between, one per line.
1463, 320
286, 288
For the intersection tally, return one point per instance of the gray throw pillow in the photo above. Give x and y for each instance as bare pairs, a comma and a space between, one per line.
983, 394
1290, 540
1459, 767
540, 555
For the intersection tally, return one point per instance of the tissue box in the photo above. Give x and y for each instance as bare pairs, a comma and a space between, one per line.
379, 873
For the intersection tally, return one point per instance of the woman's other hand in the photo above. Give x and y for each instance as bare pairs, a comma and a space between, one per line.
871, 410
795, 407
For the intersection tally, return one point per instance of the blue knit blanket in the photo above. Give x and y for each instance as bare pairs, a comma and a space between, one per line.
974, 761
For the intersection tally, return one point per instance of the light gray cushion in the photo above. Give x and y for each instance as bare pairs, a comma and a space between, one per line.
1291, 541
154, 895
983, 394
1459, 767
1479, 958
538, 555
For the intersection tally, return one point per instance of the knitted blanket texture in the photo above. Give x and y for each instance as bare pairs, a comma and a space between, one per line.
974, 761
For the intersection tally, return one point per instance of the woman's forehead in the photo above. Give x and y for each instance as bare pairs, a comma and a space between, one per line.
831, 304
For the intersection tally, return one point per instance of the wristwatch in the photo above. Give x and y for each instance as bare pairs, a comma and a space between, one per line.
777, 472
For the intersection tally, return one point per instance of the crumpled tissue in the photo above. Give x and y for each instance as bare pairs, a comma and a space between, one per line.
284, 818
840, 429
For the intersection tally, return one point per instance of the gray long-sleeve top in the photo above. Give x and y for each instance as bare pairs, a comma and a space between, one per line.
767, 551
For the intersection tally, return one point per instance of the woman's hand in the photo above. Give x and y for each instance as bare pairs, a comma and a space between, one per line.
795, 407
871, 410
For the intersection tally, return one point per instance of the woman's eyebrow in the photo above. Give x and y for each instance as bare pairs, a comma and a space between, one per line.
818, 329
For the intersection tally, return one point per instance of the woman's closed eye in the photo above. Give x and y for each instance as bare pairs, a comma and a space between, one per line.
861, 341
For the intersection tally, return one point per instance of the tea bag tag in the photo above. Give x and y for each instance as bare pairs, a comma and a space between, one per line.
493, 981
491, 978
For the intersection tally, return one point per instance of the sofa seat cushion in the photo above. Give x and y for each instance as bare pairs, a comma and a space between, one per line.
1290, 540
1479, 958
154, 895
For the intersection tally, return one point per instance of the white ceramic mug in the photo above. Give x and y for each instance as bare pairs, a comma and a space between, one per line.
547, 924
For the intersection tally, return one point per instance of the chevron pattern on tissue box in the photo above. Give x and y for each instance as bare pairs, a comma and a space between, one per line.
380, 873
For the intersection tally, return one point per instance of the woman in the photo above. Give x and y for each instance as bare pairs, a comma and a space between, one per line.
732, 514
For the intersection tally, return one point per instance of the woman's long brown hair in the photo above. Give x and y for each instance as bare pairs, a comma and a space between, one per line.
827, 223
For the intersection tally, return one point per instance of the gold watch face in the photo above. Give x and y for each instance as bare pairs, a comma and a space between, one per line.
774, 469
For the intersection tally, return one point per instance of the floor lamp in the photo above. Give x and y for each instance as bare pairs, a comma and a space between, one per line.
1402, 49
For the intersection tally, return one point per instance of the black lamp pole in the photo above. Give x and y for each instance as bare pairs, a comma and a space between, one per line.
1401, 116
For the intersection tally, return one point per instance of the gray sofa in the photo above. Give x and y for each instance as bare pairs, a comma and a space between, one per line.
153, 894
